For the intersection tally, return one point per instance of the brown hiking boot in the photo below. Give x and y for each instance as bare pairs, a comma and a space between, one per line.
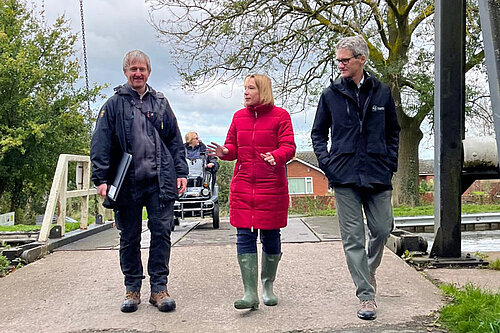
162, 301
367, 310
132, 300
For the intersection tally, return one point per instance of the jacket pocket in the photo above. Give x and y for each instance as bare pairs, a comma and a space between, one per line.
341, 167
386, 162
376, 147
343, 148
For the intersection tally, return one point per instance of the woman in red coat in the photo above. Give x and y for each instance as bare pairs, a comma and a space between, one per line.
261, 139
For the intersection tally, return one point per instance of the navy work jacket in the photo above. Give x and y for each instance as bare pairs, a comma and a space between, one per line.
112, 137
364, 141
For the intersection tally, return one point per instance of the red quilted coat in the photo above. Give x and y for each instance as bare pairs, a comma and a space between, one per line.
259, 191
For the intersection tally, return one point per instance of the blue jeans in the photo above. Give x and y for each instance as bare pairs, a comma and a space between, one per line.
247, 241
129, 222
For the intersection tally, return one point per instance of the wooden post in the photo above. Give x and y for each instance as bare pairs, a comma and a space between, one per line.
61, 214
52, 201
84, 215
59, 195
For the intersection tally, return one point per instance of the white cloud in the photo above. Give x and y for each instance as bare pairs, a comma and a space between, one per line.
114, 27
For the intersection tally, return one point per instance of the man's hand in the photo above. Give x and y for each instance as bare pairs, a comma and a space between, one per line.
210, 165
181, 185
102, 190
217, 150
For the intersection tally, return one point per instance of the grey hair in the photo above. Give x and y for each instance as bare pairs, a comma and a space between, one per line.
133, 55
355, 44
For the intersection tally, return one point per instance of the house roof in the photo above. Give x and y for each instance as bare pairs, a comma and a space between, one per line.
426, 167
307, 158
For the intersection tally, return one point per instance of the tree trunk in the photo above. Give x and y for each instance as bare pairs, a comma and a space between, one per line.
406, 185
16, 199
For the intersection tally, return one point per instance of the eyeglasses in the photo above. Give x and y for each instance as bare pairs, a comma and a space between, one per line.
345, 61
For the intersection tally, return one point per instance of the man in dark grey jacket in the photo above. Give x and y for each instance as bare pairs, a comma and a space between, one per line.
358, 113
139, 121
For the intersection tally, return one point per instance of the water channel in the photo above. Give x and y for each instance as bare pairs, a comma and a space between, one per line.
473, 241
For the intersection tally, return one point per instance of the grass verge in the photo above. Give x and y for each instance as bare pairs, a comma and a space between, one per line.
429, 210
70, 226
495, 265
470, 310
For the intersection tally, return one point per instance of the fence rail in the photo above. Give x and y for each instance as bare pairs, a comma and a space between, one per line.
469, 221
59, 194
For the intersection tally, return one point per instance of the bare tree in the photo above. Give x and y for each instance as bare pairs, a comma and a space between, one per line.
294, 41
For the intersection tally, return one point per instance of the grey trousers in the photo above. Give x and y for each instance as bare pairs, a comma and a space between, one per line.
378, 210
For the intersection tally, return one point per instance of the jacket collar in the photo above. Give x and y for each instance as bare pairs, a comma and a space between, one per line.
188, 147
126, 89
341, 84
261, 108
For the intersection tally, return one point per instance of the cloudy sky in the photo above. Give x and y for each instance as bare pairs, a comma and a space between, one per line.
113, 27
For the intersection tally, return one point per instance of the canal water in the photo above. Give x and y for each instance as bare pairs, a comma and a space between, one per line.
473, 241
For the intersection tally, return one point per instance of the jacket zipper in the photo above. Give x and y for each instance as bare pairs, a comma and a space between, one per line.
253, 174
349, 114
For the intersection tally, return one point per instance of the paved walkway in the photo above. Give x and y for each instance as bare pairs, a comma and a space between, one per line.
79, 287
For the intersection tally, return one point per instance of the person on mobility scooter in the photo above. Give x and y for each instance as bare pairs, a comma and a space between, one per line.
201, 196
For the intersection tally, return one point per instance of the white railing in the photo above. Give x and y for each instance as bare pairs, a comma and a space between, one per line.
59, 194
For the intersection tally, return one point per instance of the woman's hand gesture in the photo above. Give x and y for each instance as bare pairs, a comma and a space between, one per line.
269, 158
215, 149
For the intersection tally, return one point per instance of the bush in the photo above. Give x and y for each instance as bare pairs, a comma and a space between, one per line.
4, 265
224, 175
426, 186
312, 206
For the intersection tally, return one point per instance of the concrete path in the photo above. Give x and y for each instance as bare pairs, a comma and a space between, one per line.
79, 288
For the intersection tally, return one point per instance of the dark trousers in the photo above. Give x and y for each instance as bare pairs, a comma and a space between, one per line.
247, 241
129, 222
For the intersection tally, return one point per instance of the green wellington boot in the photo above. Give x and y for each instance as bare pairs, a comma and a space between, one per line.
267, 276
249, 273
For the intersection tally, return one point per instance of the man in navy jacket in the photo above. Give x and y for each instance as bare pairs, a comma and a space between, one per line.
139, 121
357, 113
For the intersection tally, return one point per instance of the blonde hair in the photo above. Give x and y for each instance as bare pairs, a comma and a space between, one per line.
263, 83
190, 137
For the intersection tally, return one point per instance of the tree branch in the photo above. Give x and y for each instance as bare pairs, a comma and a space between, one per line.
428, 11
474, 60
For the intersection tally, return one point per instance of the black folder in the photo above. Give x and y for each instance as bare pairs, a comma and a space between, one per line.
121, 172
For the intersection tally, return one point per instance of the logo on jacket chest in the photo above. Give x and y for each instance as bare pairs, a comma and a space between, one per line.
376, 108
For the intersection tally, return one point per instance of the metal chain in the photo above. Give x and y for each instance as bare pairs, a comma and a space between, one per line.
85, 57
43, 11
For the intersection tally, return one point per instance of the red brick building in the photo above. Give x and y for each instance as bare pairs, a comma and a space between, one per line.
305, 178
